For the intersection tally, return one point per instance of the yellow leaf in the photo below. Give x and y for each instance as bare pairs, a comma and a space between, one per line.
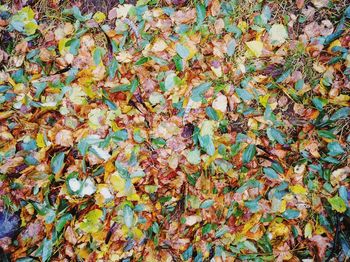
283, 206
243, 26
255, 47
263, 100
298, 190
62, 46
118, 182
99, 17
342, 100
278, 230
308, 230
137, 233
40, 140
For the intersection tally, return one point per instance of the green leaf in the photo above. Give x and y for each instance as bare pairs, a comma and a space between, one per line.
235, 148
201, 13
142, 60
62, 222
134, 85
206, 203
291, 214
182, 51
326, 134
337, 204
57, 163
179, 64
335, 149
269, 172
206, 229
128, 215
276, 135
249, 153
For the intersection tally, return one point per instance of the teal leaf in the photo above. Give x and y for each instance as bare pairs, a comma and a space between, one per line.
199, 91
97, 55
269, 172
276, 135
57, 163
244, 94
112, 68
291, 214
73, 45
133, 86
201, 13
249, 153
155, 228
207, 144
206, 203
340, 114
335, 149
120, 135
211, 113
319, 103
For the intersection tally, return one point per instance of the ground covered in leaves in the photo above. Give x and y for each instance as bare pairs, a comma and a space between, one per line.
174, 131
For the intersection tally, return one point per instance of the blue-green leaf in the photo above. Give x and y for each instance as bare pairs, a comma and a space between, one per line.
249, 153
207, 203
269, 172
244, 94
201, 13
276, 135
340, 114
291, 214
211, 113
57, 163
207, 144
199, 91
335, 149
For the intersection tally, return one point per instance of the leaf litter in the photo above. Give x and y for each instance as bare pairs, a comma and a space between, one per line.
175, 131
